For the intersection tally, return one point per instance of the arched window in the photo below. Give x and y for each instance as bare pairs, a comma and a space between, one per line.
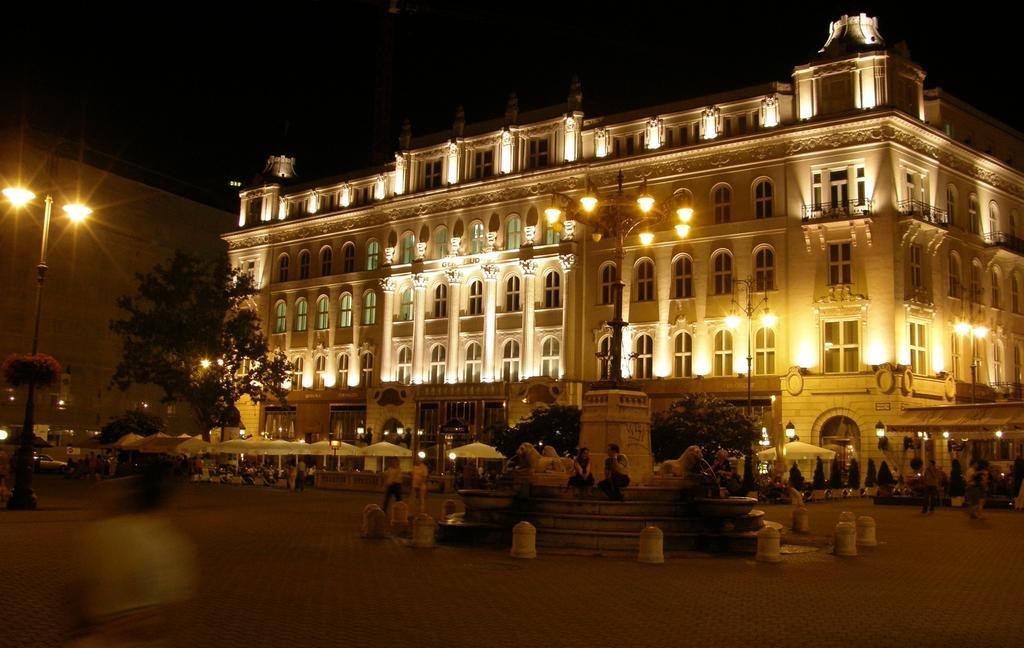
348, 257
682, 357
977, 293
512, 292
549, 351
951, 200
552, 289
763, 193
441, 301
369, 308
510, 361
281, 317
1015, 293
721, 198
345, 310
323, 313
326, 257
477, 238
304, 265
608, 280
643, 361
319, 371
997, 291
645, 280
513, 233
604, 357
973, 225
343, 370
955, 281
997, 362
764, 352
476, 297
438, 358
366, 373
372, 255
764, 269
282, 268
723, 273
682, 278
993, 218
301, 315
405, 365
473, 363
405, 307
723, 353
298, 369
408, 248
442, 242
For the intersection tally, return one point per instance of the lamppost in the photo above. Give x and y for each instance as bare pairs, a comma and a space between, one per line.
748, 310
334, 448
615, 216
791, 432
978, 332
23, 497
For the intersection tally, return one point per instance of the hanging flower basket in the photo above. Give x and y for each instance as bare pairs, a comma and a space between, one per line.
23, 369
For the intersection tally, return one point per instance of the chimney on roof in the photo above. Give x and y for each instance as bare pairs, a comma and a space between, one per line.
459, 125
406, 137
575, 94
512, 109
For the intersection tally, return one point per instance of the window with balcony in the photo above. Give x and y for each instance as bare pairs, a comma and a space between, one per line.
842, 346
840, 268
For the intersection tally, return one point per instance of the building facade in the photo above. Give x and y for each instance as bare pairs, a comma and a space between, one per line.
874, 218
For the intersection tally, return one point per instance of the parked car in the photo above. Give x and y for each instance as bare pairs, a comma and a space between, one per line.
46, 463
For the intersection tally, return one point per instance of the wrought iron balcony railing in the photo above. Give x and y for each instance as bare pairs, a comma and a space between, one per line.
1004, 240
1009, 391
837, 210
924, 212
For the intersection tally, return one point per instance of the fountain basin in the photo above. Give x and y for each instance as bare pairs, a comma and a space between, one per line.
725, 507
486, 500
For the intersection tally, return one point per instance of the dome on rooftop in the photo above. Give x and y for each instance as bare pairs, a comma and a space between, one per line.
852, 35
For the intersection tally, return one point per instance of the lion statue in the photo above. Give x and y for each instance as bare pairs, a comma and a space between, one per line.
686, 464
533, 461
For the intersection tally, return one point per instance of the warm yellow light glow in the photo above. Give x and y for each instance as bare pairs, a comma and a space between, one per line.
552, 213
769, 319
646, 238
980, 332
3, 435
421, 454
77, 212
18, 196
999, 434
807, 355
685, 214
962, 328
451, 455
329, 380
682, 230
732, 320
307, 382
945, 435
589, 202
876, 354
646, 202
204, 363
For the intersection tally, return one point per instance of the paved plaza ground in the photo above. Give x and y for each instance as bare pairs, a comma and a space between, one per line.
281, 568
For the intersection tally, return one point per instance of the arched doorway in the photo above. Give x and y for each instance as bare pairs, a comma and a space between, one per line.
841, 434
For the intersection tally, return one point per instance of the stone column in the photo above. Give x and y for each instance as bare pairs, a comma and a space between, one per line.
567, 358
454, 313
529, 278
387, 286
490, 322
419, 282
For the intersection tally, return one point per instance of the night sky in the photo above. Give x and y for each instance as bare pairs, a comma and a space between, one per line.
205, 97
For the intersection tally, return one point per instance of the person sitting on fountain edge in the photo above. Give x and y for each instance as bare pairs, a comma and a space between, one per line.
616, 474
582, 476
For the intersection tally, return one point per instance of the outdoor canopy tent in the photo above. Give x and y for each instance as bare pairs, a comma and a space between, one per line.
385, 449
797, 451
477, 451
128, 441
324, 448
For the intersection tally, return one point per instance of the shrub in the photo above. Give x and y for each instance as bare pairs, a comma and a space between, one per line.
916, 463
23, 369
819, 475
853, 480
957, 486
885, 477
796, 478
869, 479
835, 477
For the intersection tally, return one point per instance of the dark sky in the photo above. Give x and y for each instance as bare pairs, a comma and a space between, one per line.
205, 97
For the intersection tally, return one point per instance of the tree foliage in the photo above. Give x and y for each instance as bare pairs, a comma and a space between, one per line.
189, 310
704, 421
557, 426
835, 477
23, 369
796, 478
853, 478
131, 422
870, 478
885, 477
819, 475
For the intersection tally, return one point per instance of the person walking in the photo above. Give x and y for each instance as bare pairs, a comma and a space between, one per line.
300, 476
932, 479
392, 483
419, 484
977, 488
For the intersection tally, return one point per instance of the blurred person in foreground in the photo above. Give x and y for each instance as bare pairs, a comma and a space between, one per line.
133, 568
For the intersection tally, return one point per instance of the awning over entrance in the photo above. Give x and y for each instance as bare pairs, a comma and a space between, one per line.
961, 418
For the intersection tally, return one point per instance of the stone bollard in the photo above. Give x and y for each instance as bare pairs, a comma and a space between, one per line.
400, 515
847, 516
366, 516
524, 541
866, 532
800, 523
450, 507
652, 543
846, 542
376, 524
768, 545
423, 531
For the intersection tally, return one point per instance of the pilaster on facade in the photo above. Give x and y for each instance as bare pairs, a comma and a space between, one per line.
529, 308
490, 272
419, 284
387, 287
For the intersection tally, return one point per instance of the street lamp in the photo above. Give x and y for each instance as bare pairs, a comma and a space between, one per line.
962, 328
748, 310
616, 216
791, 431
23, 497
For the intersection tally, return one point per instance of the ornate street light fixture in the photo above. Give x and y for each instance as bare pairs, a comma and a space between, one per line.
791, 431
616, 216
749, 309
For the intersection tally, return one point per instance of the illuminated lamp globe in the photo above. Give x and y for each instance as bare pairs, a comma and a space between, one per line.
999, 434
769, 319
685, 214
646, 202
790, 431
552, 213
451, 455
421, 454
945, 435
732, 320
18, 196
77, 212
880, 430
596, 236
980, 332
204, 363
646, 238
962, 328
3, 435
683, 230
589, 202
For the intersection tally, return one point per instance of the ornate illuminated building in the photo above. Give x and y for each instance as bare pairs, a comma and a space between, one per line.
878, 218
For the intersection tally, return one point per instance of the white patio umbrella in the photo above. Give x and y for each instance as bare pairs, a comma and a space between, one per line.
477, 451
798, 450
385, 449
128, 441
324, 448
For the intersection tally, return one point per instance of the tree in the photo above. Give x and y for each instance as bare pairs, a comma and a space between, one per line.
835, 476
819, 475
853, 479
796, 478
556, 426
957, 485
869, 479
189, 331
885, 477
704, 421
131, 422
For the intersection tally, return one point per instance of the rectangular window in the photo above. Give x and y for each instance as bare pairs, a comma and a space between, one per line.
839, 191
483, 164
668, 137
842, 346
537, 153
741, 125
839, 266
918, 342
684, 133
862, 193
630, 146
816, 191
432, 174
915, 267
